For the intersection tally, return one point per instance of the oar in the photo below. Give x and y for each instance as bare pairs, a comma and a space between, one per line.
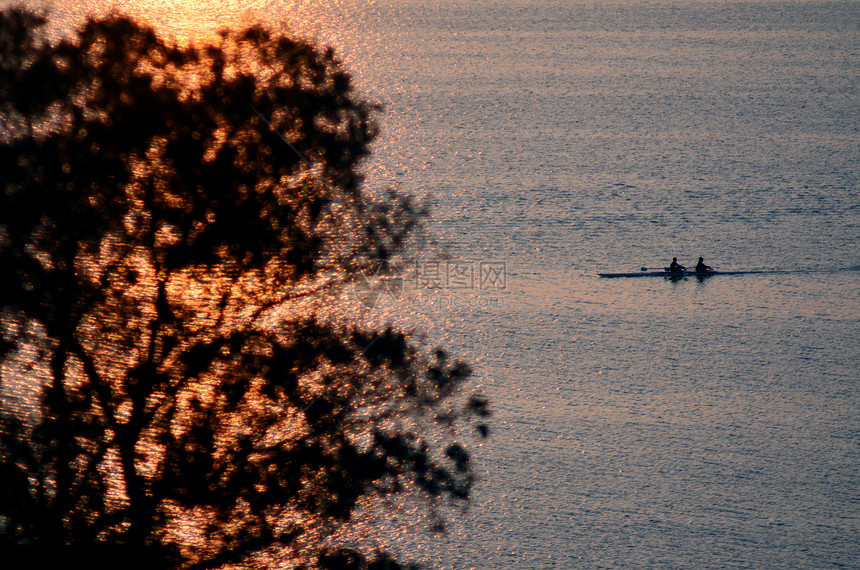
653, 269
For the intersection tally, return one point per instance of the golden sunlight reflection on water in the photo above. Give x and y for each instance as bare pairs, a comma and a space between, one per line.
199, 18
347, 25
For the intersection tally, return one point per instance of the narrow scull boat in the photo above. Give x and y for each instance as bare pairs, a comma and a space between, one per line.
677, 274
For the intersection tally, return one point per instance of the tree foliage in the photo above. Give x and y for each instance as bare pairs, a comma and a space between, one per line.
162, 208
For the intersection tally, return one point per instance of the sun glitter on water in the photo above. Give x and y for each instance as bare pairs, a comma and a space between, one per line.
328, 20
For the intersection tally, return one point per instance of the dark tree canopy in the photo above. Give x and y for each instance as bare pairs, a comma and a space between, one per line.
162, 207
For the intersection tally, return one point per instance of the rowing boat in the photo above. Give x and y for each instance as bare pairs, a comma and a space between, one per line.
676, 274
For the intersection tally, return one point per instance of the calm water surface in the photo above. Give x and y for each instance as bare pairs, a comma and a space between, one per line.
640, 422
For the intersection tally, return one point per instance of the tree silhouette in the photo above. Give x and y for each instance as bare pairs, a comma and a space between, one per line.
164, 207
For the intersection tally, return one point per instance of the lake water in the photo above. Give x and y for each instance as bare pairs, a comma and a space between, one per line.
639, 422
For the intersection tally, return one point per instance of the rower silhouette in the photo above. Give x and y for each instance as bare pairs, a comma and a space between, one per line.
701, 267
676, 267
